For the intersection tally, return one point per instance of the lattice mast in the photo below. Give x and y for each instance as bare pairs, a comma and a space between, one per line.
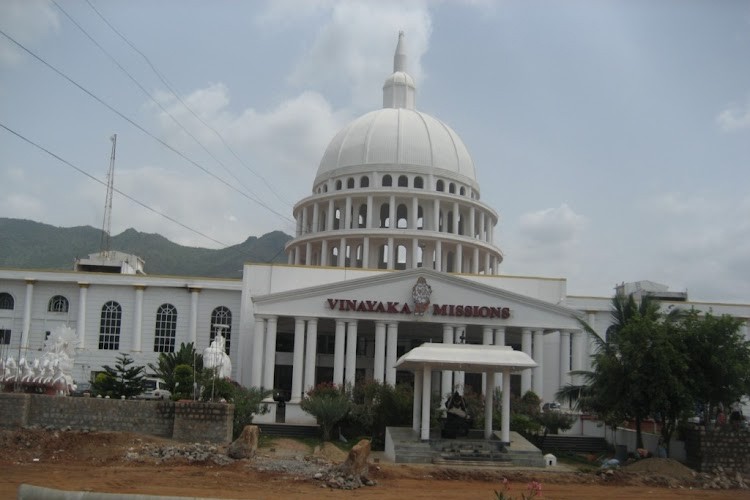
107, 223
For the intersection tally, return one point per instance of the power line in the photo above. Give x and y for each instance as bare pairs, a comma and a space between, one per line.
90, 176
146, 92
177, 96
136, 125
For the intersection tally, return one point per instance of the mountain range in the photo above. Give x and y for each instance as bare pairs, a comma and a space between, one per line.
26, 244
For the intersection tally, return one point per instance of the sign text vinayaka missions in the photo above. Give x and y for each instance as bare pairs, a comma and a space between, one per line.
388, 307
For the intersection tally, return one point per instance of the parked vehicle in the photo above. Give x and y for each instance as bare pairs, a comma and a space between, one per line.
154, 388
82, 389
553, 406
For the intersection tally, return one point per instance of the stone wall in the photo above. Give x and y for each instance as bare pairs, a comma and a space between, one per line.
190, 421
724, 447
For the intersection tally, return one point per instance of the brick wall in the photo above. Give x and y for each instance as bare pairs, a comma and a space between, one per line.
193, 422
718, 447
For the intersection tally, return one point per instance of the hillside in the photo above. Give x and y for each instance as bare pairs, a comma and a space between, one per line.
32, 245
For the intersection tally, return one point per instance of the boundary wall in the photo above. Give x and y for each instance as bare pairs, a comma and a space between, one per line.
185, 421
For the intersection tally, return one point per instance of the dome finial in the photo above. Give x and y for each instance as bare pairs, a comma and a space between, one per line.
398, 89
399, 58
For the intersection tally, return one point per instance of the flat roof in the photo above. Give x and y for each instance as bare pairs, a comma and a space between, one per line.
465, 357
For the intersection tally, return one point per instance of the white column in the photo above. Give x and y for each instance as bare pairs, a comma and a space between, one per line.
342, 253
351, 353
539, 358
193, 322
368, 219
564, 357
298, 359
366, 252
416, 411
447, 382
338, 352
488, 404
415, 253
379, 362
436, 215
269, 363
308, 254
426, 392
499, 340
348, 213
324, 253
526, 374
311, 354
138, 318
392, 212
329, 215
459, 263
578, 340
391, 253
316, 219
390, 354
482, 232
438, 255
505, 433
454, 229
413, 213
27, 314
83, 289
459, 376
259, 335
475, 261
472, 222
486, 340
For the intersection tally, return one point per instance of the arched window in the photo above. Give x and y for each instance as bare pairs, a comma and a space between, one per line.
418, 183
350, 183
165, 329
452, 188
400, 263
338, 185
364, 182
420, 217
440, 186
387, 181
403, 181
462, 191
337, 219
325, 188
109, 326
58, 304
222, 316
6, 301
385, 216
383, 256
402, 217
362, 217
334, 260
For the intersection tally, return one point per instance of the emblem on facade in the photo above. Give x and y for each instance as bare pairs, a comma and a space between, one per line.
421, 294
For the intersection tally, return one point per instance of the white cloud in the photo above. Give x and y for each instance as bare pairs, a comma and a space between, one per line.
354, 50
676, 204
553, 227
735, 117
26, 21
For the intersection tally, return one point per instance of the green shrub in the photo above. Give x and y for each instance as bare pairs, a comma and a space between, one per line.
329, 404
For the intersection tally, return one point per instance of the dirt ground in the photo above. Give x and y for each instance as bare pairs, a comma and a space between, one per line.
132, 463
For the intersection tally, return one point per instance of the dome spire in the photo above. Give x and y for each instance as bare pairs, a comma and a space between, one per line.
399, 90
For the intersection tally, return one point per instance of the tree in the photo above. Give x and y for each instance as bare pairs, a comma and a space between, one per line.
122, 380
248, 402
169, 361
329, 404
377, 405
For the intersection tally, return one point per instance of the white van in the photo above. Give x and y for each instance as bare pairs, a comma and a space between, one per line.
154, 388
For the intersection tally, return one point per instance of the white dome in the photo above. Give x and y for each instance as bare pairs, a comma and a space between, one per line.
395, 139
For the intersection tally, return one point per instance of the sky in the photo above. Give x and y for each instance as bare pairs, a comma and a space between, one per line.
612, 137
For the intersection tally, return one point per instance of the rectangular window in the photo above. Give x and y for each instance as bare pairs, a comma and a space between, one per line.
4, 337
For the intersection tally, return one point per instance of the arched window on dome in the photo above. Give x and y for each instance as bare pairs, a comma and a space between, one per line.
440, 186
337, 219
452, 188
364, 181
350, 183
385, 210
362, 216
383, 256
420, 217
334, 258
358, 256
419, 183
403, 181
325, 188
387, 181
401, 258
338, 185
402, 217
462, 191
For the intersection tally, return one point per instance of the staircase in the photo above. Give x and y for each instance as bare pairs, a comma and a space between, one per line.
574, 444
290, 430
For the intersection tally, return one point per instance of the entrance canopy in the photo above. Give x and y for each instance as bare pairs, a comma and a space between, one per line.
465, 357
487, 359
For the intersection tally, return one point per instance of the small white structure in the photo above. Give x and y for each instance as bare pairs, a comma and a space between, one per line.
215, 357
463, 357
550, 460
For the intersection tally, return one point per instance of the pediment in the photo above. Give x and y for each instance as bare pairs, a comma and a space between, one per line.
391, 297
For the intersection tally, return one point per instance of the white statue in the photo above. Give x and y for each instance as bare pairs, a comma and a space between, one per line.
215, 357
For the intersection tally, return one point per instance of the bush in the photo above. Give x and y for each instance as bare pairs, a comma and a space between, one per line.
329, 404
248, 402
376, 406
183, 382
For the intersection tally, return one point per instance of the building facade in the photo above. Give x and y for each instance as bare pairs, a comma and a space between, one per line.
393, 248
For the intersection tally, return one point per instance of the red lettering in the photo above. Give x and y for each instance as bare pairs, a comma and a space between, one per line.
405, 309
505, 313
459, 311
332, 303
451, 310
371, 305
484, 311
380, 308
392, 307
362, 307
351, 305
494, 312
439, 310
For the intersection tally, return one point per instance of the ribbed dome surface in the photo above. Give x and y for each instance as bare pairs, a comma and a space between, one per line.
397, 137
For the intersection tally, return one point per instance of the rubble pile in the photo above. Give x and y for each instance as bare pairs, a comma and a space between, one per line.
192, 453
720, 479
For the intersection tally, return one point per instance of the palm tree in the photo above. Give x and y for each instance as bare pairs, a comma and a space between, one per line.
169, 361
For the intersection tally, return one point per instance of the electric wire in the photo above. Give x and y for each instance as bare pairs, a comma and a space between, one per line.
139, 127
177, 96
146, 92
90, 176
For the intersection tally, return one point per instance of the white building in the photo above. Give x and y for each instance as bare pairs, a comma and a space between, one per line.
394, 248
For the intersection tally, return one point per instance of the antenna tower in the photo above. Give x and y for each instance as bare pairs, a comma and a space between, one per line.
107, 223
